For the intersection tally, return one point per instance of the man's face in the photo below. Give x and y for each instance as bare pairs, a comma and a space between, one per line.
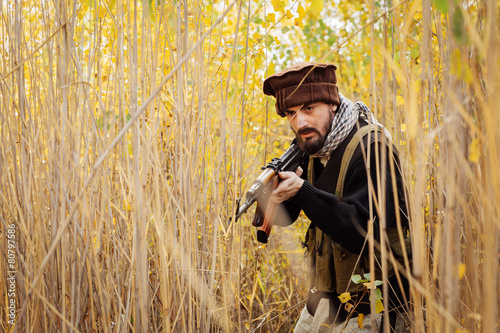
311, 124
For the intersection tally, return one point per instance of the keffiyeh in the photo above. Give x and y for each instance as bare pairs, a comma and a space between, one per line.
345, 119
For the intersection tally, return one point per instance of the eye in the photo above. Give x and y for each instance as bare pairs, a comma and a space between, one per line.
309, 108
289, 113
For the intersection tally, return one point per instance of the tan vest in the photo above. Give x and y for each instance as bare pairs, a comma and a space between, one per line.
330, 265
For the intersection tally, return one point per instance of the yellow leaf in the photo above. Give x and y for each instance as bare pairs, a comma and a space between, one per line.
361, 318
467, 75
456, 63
461, 270
258, 61
298, 22
459, 68
278, 5
271, 17
208, 21
126, 205
301, 11
344, 297
102, 11
288, 14
316, 7
379, 306
271, 69
403, 127
400, 100
474, 151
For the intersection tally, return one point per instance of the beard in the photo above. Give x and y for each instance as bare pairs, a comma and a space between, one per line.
312, 145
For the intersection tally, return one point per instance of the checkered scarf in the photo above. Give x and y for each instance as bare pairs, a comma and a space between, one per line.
343, 122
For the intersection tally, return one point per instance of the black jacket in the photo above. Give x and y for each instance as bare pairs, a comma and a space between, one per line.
345, 221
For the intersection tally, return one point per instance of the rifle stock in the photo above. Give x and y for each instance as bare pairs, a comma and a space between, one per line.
268, 218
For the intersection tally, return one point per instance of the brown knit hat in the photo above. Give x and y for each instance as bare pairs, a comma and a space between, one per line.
302, 83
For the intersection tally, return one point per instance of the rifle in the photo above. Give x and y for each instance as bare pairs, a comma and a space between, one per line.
264, 185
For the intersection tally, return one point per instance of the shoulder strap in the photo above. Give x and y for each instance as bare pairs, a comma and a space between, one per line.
347, 156
310, 170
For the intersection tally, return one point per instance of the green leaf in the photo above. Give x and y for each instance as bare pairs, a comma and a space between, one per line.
379, 306
356, 278
366, 60
458, 27
284, 30
396, 57
378, 296
315, 47
332, 39
269, 40
414, 52
367, 276
322, 25
442, 6
316, 7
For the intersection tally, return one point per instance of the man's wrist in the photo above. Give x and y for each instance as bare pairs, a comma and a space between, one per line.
305, 195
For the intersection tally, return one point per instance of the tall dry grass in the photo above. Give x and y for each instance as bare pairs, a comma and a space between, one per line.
121, 159
128, 132
453, 153
439, 100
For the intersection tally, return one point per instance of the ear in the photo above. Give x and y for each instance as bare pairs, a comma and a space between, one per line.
333, 108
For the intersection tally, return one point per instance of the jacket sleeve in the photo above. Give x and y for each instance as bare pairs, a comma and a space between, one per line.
346, 221
292, 210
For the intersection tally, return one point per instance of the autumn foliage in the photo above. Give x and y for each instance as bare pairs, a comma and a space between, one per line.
130, 129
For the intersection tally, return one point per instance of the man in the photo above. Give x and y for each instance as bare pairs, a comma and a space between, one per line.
338, 194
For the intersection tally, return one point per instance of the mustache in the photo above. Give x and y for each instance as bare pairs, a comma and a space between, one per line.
307, 129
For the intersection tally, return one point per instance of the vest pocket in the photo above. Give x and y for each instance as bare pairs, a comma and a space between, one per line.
321, 262
347, 265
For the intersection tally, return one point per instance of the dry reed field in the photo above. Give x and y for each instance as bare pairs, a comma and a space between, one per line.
129, 130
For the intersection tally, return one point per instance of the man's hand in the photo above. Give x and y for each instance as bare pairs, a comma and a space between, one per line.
290, 183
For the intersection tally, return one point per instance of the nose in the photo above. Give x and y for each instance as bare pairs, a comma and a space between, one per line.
301, 119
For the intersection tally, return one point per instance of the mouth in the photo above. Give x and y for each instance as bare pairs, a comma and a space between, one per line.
307, 132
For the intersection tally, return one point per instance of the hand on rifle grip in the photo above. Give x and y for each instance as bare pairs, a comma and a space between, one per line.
289, 184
